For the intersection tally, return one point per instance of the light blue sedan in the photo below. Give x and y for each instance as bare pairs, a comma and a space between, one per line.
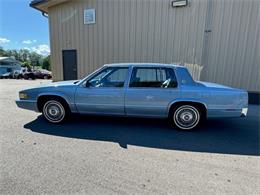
138, 90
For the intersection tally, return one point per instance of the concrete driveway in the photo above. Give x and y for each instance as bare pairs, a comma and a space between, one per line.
108, 155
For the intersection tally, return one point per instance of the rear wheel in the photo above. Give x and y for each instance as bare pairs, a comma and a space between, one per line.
54, 111
25, 76
185, 117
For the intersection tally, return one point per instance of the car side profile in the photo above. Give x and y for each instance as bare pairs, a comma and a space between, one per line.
138, 90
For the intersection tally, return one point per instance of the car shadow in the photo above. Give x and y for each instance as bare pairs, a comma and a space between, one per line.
227, 136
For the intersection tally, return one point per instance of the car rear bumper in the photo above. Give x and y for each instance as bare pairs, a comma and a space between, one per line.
219, 113
244, 112
27, 104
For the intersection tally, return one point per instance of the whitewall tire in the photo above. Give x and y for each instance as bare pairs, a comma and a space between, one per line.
186, 117
54, 111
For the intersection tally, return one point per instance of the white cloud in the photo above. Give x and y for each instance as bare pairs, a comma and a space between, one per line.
4, 40
42, 49
27, 48
29, 41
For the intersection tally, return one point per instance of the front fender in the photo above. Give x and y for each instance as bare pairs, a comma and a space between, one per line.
69, 98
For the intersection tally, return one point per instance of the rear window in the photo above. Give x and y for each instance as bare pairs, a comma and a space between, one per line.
153, 77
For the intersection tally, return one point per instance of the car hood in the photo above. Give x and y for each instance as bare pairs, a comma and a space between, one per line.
60, 83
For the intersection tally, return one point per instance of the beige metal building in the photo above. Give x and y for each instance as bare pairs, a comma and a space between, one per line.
218, 40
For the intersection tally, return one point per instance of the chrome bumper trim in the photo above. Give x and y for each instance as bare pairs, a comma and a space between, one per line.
244, 112
27, 104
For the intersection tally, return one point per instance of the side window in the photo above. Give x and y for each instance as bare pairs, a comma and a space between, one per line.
109, 77
153, 77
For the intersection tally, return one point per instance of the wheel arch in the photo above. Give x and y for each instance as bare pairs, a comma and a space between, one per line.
201, 105
45, 97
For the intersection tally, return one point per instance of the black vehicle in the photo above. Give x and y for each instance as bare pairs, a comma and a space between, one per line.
42, 74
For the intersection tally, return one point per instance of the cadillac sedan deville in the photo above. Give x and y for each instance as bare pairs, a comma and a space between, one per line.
138, 90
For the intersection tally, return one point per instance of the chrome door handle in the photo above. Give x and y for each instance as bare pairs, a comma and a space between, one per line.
149, 97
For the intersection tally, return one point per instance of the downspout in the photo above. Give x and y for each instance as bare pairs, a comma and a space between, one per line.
206, 36
44, 14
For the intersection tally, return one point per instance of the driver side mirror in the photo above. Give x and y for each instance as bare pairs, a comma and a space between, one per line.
88, 84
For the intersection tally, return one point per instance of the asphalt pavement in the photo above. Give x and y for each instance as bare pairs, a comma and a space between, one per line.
110, 155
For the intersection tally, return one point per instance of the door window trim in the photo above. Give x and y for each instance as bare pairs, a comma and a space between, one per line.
157, 88
95, 73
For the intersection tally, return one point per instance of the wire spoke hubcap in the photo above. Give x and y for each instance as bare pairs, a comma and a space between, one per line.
186, 117
54, 111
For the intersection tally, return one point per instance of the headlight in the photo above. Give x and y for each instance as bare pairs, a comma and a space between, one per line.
23, 95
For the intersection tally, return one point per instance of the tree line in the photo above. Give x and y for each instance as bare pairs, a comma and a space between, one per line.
27, 58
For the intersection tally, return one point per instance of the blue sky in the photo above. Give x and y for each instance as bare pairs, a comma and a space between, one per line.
23, 27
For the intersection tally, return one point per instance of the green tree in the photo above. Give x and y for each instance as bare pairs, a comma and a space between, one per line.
46, 63
24, 55
26, 64
2, 52
34, 59
13, 53
28, 58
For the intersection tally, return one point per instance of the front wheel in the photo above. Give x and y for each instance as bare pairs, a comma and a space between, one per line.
54, 111
185, 117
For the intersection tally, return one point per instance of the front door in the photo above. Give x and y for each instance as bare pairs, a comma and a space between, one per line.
103, 93
150, 91
69, 58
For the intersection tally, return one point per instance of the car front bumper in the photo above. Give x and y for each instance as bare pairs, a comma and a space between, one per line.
27, 104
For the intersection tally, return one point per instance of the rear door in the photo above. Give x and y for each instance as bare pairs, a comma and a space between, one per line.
150, 91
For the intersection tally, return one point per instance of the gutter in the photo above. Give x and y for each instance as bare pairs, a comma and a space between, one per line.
34, 4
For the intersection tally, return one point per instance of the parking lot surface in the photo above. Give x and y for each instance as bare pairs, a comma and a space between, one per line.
108, 155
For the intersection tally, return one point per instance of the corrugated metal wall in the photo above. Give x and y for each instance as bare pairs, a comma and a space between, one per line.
154, 31
233, 48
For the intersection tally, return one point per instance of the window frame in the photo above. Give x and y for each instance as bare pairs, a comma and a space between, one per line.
103, 69
152, 67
